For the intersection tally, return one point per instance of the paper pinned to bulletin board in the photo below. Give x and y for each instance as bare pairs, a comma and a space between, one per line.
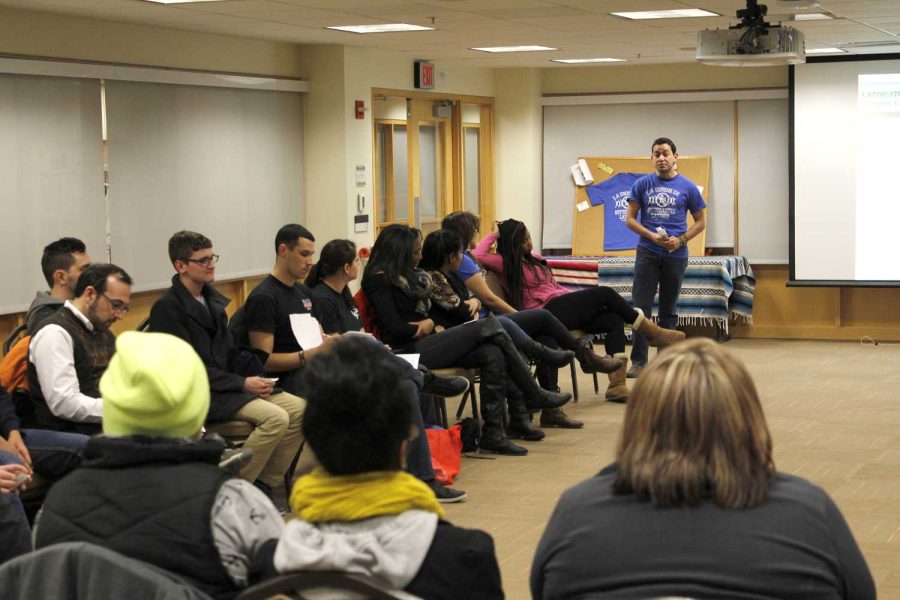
587, 227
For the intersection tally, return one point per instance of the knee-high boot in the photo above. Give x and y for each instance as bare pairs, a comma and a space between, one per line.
519, 425
520, 374
493, 438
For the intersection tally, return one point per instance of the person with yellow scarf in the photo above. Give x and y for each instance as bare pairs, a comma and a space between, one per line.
359, 511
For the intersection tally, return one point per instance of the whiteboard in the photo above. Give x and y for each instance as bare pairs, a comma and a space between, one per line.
51, 177
224, 162
763, 191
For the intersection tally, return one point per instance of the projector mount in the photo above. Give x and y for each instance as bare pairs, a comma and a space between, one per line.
754, 25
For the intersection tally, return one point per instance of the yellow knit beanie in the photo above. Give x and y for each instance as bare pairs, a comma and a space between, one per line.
155, 385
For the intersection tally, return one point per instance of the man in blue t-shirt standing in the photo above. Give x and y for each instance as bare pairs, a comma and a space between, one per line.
663, 200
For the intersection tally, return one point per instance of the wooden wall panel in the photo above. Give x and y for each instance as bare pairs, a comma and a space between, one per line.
236, 289
819, 313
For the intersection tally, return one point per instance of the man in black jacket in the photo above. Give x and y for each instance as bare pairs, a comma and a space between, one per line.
359, 511
193, 310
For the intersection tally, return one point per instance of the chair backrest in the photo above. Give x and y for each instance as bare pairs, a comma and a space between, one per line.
78, 570
366, 313
238, 326
493, 282
295, 584
17, 333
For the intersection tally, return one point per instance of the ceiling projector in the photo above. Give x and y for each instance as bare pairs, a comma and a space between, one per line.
752, 42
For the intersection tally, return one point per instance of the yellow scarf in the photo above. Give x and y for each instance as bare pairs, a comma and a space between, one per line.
320, 496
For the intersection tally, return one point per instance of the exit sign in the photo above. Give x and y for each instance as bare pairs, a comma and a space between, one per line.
424, 75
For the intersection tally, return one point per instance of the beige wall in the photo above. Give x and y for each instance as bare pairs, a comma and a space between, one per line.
652, 78
60, 36
517, 149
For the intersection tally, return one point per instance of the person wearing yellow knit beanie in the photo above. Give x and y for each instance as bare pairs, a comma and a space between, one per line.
359, 512
149, 488
155, 384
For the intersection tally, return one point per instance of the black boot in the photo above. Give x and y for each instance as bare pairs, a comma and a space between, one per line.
535, 396
519, 426
492, 437
545, 355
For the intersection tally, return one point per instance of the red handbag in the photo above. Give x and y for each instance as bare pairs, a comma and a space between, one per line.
446, 453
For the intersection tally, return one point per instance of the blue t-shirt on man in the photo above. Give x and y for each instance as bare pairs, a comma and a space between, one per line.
613, 194
666, 203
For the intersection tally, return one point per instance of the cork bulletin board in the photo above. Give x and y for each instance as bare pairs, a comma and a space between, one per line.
587, 230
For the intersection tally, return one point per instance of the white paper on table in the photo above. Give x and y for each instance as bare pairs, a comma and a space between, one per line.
306, 330
412, 359
583, 206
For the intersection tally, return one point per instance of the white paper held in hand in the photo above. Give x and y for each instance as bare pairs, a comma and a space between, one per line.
412, 359
306, 330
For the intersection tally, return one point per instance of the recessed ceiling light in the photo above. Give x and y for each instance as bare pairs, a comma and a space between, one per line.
667, 14
812, 17
514, 49
180, 1
383, 28
824, 50
578, 61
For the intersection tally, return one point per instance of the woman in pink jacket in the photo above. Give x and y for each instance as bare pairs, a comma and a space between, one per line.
529, 283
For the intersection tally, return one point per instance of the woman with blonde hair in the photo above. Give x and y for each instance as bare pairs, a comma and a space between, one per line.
693, 505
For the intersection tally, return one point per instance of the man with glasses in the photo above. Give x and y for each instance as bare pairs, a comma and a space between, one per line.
72, 348
193, 310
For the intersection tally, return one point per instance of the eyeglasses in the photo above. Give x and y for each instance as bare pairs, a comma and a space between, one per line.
117, 305
205, 262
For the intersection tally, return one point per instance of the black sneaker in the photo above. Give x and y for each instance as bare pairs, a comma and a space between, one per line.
447, 495
444, 385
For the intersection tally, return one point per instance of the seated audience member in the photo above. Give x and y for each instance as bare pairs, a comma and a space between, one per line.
50, 453
62, 262
359, 512
71, 349
267, 313
336, 311
400, 295
693, 505
15, 535
452, 304
538, 323
529, 283
194, 311
149, 488
267, 319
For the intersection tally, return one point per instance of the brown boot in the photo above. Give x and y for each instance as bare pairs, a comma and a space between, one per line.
656, 335
555, 417
618, 390
593, 363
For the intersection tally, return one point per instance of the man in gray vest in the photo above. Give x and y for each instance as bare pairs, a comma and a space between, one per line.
72, 348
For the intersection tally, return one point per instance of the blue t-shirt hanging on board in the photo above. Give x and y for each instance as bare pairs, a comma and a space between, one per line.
666, 203
613, 194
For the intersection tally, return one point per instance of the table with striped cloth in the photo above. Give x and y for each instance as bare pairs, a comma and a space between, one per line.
715, 288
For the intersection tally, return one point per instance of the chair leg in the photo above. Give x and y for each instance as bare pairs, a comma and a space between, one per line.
462, 404
289, 475
440, 409
574, 381
596, 385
